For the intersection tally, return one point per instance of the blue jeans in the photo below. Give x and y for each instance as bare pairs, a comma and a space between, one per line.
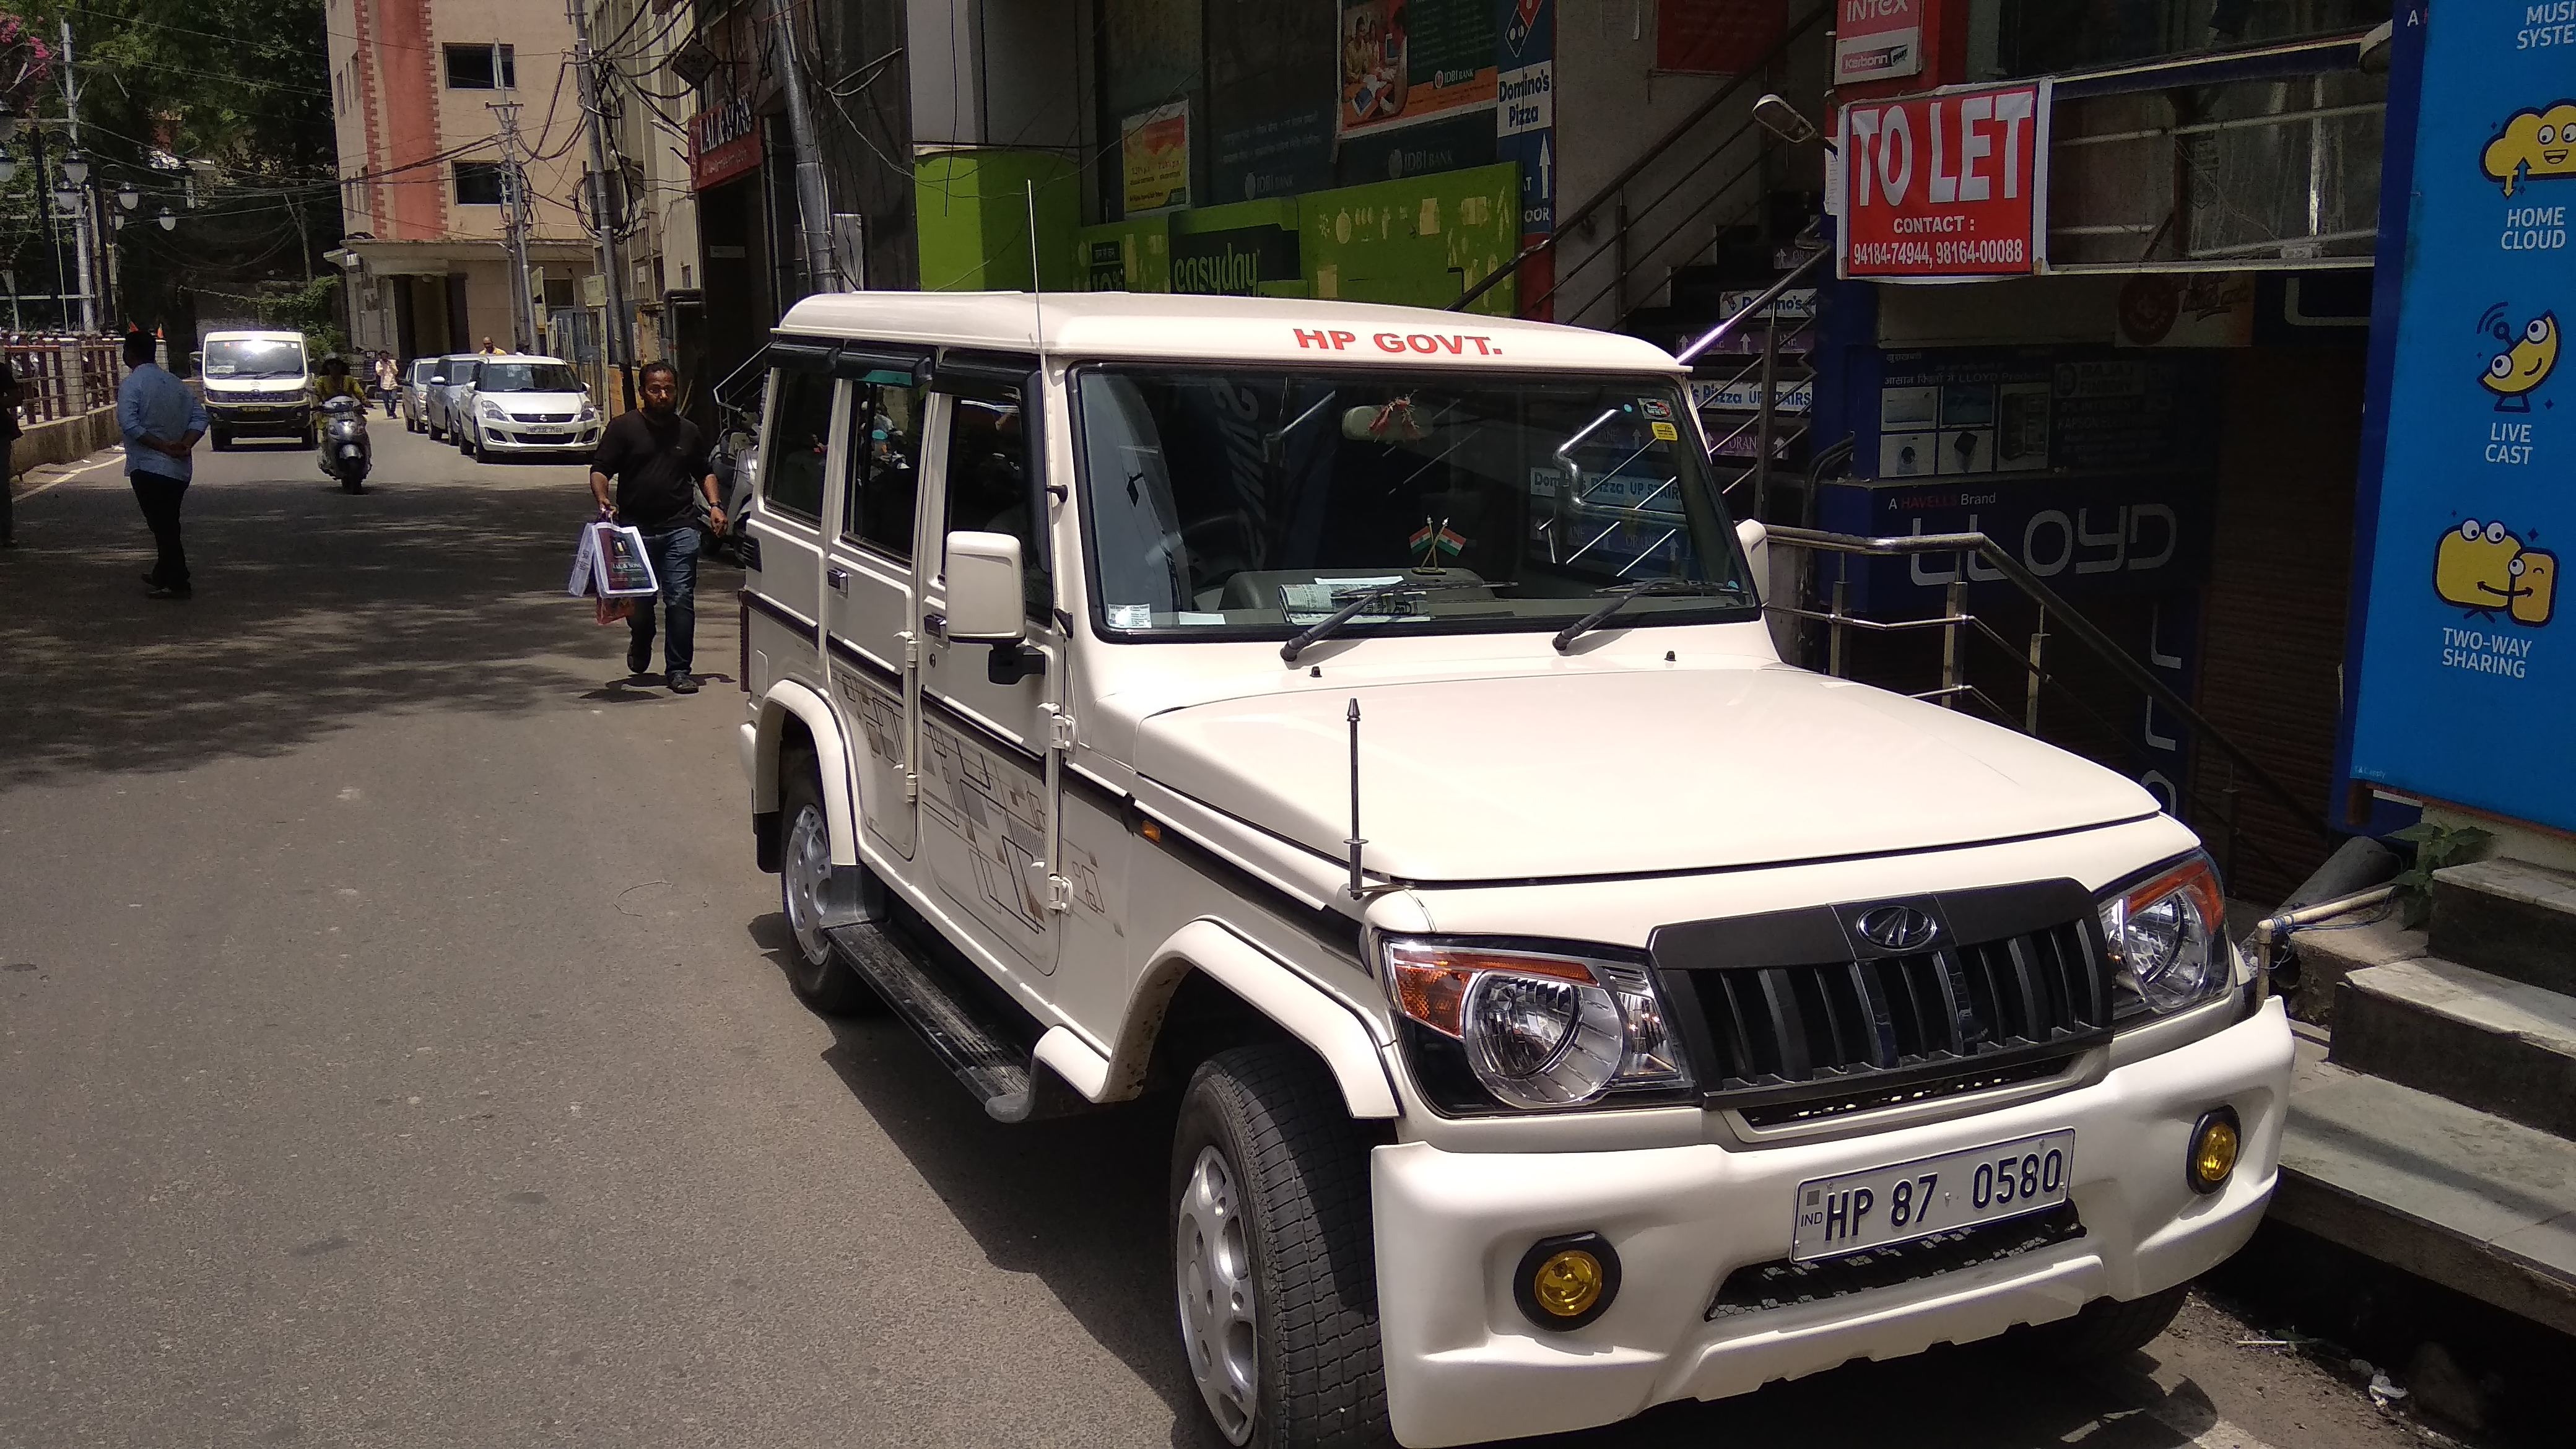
675, 567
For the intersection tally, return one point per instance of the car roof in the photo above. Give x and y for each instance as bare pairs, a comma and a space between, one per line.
1252, 329
254, 335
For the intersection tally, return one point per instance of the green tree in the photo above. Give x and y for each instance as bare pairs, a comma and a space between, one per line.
226, 102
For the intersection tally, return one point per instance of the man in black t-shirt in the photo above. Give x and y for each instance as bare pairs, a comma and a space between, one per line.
659, 461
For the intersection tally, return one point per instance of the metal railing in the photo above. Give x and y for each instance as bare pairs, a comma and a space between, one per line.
1958, 627
1628, 258
61, 377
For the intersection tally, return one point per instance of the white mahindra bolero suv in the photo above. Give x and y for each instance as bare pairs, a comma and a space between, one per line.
1361, 722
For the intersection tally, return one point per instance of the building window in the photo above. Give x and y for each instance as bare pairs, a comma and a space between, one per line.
478, 183
482, 68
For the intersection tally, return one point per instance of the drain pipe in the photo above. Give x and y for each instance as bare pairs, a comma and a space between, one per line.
813, 199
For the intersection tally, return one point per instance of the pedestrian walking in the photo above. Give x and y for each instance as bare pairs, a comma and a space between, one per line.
388, 380
162, 421
8, 444
659, 462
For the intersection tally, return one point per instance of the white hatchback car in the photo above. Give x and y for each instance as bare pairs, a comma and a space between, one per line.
526, 406
1360, 724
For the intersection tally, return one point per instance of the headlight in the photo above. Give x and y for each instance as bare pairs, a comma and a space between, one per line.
489, 409
589, 414
2168, 940
1534, 1029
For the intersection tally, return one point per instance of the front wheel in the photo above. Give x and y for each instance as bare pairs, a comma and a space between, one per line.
816, 972
1273, 1262
2107, 1329
223, 441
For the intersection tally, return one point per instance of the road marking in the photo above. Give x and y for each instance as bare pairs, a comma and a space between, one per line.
2178, 1415
114, 456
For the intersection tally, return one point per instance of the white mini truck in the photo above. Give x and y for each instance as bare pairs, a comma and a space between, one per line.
1360, 723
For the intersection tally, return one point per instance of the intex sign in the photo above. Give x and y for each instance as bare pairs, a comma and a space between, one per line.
1952, 184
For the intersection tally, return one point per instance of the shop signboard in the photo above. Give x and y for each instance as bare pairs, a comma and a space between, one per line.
1235, 261
1154, 154
1877, 40
1404, 62
1947, 186
1723, 37
724, 142
2084, 537
2467, 666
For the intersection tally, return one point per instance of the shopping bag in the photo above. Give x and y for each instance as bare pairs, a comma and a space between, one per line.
612, 563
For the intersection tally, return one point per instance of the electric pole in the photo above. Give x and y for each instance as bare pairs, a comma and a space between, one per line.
514, 224
618, 341
813, 200
81, 216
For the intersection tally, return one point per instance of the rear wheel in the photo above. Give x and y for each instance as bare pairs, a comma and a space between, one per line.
1273, 1263
816, 972
2107, 1329
223, 441
468, 444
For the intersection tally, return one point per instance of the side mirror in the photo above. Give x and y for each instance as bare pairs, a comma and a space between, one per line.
1757, 554
984, 588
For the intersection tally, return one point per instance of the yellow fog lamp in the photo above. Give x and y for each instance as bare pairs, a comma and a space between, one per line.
1565, 1283
2214, 1144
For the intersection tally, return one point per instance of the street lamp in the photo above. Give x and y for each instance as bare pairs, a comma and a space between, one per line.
67, 199
128, 197
8, 168
75, 168
168, 222
8, 124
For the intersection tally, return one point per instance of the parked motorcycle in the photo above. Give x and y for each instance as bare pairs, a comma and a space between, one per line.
345, 453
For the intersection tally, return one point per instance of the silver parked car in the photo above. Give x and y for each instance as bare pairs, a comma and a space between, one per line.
450, 395
412, 398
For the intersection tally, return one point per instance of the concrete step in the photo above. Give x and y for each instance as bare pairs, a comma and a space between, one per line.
2445, 1192
2499, 1046
2330, 951
2508, 918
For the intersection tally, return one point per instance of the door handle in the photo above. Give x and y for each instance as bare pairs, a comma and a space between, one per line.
839, 579
935, 625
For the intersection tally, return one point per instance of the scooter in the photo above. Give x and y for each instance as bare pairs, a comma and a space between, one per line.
345, 453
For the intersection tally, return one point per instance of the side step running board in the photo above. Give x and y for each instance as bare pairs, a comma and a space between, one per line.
969, 1038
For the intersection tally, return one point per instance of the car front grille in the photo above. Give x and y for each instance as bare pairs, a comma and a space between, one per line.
543, 417
1797, 1015
1761, 1287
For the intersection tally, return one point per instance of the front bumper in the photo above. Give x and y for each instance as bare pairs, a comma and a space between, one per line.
536, 437
1463, 1365
253, 420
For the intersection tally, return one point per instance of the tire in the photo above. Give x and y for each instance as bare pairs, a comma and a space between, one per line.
2108, 1330
473, 451
1270, 1204
816, 972
223, 441
312, 439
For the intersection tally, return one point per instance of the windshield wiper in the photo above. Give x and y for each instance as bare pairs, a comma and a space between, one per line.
1332, 623
1622, 598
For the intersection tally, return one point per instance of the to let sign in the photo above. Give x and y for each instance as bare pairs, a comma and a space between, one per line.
1948, 185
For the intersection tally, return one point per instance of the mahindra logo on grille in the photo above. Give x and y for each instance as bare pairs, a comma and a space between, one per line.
1899, 928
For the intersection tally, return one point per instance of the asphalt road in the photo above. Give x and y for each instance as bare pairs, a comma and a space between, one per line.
394, 1052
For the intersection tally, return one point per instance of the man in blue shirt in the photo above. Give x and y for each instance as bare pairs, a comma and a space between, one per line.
162, 421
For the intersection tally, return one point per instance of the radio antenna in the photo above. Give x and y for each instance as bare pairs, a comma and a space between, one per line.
1037, 310
1356, 840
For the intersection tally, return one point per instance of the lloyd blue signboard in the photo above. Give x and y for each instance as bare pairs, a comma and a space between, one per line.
2467, 678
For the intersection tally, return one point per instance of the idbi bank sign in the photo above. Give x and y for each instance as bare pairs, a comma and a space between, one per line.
1944, 186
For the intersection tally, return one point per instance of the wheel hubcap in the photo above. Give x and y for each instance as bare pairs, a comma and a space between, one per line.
807, 872
1212, 1252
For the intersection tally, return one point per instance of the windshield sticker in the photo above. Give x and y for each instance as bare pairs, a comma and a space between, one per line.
1655, 409
1665, 432
1131, 616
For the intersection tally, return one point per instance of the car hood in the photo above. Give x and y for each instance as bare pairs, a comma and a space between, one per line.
533, 402
1615, 773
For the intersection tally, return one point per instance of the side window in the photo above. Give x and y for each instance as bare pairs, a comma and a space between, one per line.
885, 467
988, 482
791, 461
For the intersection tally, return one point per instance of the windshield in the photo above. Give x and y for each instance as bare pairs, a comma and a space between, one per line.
526, 377
1246, 503
248, 357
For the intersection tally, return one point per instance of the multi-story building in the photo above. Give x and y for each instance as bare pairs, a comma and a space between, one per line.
421, 90
654, 211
